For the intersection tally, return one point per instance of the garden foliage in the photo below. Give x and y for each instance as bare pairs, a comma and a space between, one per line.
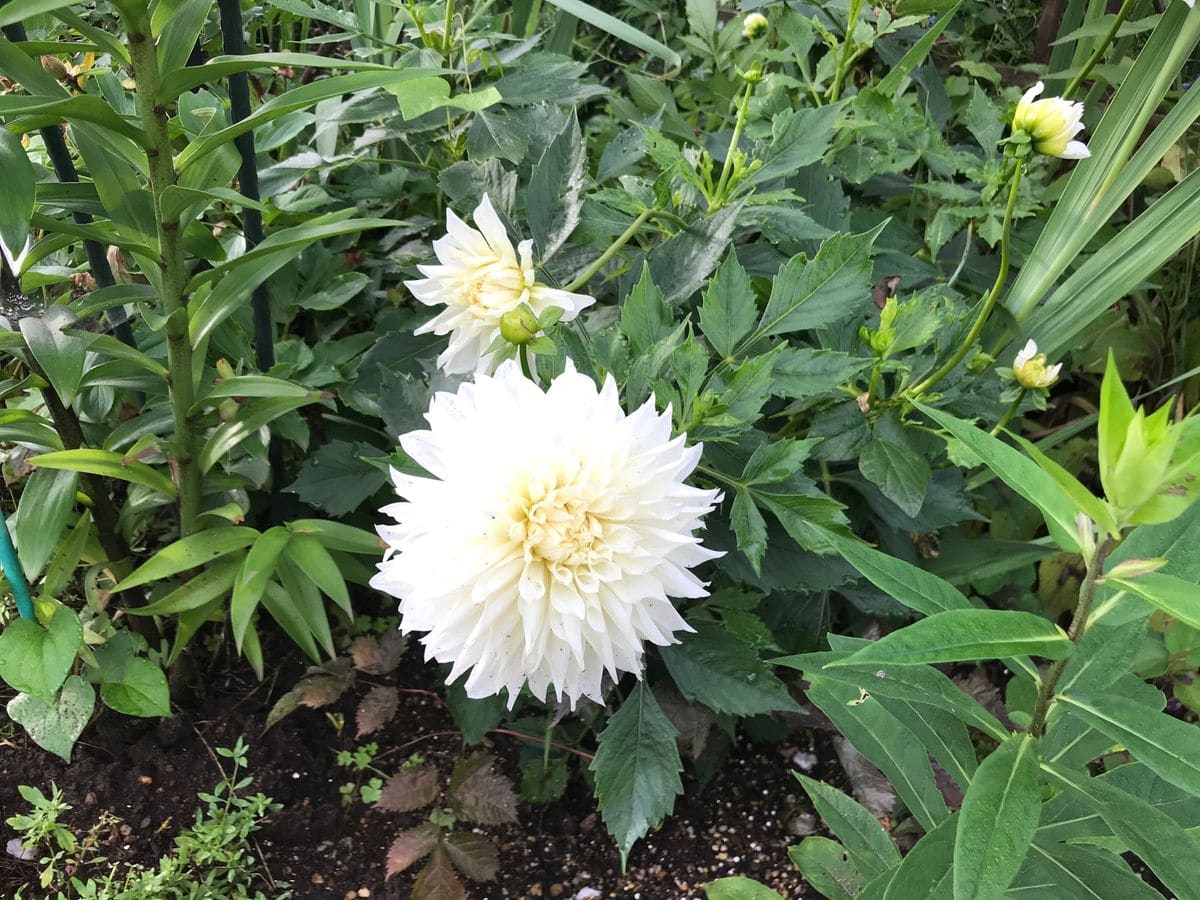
813, 237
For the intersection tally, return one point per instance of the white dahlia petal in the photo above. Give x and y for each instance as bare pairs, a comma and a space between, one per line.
479, 277
546, 548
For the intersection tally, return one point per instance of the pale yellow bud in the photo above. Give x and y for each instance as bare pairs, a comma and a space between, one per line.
1030, 369
755, 25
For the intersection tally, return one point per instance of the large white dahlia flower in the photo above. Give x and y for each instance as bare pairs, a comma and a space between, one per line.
480, 277
548, 543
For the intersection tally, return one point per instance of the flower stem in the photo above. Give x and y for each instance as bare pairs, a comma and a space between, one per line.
586, 275
172, 276
1009, 413
843, 63
1099, 51
989, 302
1087, 594
526, 369
743, 113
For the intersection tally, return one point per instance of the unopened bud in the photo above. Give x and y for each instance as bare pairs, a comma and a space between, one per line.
1030, 369
755, 26
227, 409
1135, 568
224, 369
518, 326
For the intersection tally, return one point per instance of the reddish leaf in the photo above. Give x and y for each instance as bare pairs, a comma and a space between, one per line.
473, 854
411, 846
377, 709
378, 656
409, 789
437, 880
479, 794
320, 686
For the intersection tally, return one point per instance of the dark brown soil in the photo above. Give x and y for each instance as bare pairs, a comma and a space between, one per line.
148, 774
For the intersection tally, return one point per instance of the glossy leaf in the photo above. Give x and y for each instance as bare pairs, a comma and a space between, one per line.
108, 464
36, 660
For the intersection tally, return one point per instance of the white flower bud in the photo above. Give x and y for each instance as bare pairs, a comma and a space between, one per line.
1051, 124
1030, 369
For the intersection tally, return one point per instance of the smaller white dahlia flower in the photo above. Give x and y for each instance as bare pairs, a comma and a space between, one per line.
546, 546
755, 25
480, 277
1051, 124
1030, 369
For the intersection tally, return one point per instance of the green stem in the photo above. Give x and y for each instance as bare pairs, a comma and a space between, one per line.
843, 65
989, 302
1010, 412
743, 113
173, 277
1087, 595
601, 261
526, 369
873, 383
1099, 51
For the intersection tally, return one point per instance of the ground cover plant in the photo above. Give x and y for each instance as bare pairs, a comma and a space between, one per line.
668, 379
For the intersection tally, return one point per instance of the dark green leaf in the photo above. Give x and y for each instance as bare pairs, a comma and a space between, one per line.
827, 867
998, 818
801, 373
716, 668
336, 479
36, 660
17, 200
46, 503
645, 317
553, 200
142, 691
681, 264
729, 310
868, 844
192, 552
900, 473
637, 769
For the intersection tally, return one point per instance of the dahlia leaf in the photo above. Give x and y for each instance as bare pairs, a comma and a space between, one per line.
553, 200
409, 789
410, 847
645, 317
720, 670
729, 309
376, 709
480, 795
637, 769
473, 855
437, 880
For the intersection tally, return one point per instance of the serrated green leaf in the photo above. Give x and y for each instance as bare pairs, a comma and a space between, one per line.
996, 823
553, 200
637, 769
714, 667
645, 317
729, 309
749, 528
898, 472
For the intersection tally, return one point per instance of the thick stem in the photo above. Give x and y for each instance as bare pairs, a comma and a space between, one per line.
989, 302
1099, 51
172, 276
600, 262
1087, 595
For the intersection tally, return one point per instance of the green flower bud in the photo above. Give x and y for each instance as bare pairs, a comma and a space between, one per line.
519, 326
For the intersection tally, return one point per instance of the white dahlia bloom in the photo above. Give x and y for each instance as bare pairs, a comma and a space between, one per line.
480, 277
548, 543
1051, 124
1030, 369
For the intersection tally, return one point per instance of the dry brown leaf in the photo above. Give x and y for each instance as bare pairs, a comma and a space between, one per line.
411, 846
409, 789
376, 709
378, 656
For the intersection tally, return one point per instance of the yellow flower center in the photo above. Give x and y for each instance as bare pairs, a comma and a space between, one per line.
553, 519
497, 286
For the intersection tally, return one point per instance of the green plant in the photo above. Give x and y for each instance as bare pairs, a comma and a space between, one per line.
212, 859
360, 762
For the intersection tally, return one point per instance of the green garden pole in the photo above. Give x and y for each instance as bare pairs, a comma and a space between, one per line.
14, 572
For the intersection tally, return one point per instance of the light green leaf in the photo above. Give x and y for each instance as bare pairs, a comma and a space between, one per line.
1179, 599
338, 536
17, 11
192, 552
36, 660
177, 24
55, 727
728, 310
214, 582
108, 464
1078, 872
927, 871
1019, 472
749, 528
902, 581
827, 867
257, 568
812, 293
19, 195
1168, 746
311, 557
739, 888
645, 317
1170, 851
637, 769
142, 691
219, 67
966, 634
891, 82
622, 31
801, 372
996, 823
868, 844
883, 739
251, 417
720, 670
251, 386
46, 503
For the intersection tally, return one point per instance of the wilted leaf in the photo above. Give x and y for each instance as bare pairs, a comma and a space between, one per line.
376, 709
473, 854
320, 686
377, 656
409, 789
437, 881
479, 794
411, 846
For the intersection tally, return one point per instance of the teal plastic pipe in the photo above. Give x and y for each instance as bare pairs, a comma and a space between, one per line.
13, 571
